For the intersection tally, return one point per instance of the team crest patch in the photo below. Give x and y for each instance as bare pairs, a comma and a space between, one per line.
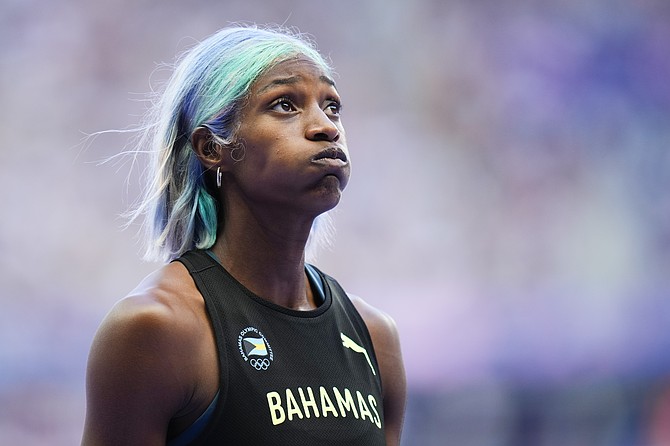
255, 348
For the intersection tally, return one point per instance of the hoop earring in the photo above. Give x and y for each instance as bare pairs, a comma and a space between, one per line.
218, 177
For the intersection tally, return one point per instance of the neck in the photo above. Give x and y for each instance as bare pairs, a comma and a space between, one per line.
267, 258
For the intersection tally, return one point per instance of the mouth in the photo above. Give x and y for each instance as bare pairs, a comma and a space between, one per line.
331, 153
333, 162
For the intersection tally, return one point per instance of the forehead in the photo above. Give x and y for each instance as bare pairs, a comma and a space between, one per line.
291, 71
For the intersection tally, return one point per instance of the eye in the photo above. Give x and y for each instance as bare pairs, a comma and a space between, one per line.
283, 104
333, 107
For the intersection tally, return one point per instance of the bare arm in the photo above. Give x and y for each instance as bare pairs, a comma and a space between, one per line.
386, 342
134, 385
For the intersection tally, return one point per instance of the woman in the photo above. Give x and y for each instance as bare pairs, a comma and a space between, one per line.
237, 340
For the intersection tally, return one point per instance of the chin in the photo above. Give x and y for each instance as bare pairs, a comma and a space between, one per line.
330, 192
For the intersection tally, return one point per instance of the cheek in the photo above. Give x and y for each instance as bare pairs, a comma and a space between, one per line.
264, 161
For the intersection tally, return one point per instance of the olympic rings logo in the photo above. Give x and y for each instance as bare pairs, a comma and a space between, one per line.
260, 364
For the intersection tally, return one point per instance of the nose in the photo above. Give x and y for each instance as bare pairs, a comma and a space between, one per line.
321, 127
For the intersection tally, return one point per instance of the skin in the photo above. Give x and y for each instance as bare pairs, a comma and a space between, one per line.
139, 384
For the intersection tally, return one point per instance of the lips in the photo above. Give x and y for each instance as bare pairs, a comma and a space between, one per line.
331, 153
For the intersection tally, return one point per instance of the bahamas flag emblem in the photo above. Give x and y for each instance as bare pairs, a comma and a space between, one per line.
255, 347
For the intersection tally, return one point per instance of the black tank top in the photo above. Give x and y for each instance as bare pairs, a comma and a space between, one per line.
288, 377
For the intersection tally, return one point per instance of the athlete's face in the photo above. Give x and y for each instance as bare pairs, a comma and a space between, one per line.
295, 153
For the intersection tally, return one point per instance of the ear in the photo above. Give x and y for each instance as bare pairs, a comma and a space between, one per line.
208, 151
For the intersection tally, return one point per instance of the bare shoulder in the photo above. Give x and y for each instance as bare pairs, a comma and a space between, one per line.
386, 341
136, 379
378, 322
159, 313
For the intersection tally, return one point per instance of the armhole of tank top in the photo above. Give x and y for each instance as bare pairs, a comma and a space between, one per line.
191, 432
200, 425
355, 315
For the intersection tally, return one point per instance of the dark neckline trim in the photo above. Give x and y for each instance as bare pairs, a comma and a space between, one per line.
318, 311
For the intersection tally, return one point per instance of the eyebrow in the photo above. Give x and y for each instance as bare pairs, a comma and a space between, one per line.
328, 80
293, 80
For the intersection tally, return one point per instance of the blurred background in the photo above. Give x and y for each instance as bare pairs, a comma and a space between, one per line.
509, 204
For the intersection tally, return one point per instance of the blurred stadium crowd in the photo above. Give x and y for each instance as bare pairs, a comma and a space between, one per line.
509, 205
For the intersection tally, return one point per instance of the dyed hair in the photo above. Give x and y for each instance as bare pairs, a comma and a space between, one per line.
208, 88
